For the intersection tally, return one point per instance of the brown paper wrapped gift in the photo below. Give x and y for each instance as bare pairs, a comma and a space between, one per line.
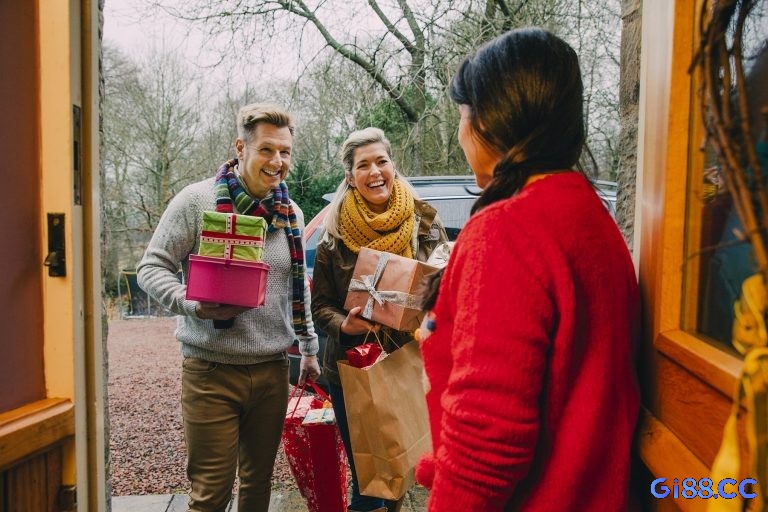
386, 286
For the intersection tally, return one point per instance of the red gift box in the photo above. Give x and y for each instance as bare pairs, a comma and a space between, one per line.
363, 355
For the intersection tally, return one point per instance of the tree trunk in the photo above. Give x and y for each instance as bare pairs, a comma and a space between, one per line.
629, 94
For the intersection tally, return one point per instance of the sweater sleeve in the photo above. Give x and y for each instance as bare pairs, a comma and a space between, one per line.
503, 314
172, 242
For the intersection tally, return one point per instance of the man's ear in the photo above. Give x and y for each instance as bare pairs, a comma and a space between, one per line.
239, 145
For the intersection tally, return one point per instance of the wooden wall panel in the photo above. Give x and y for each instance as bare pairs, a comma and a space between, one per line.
665, 506
53, 465
667, 457
33, 485
34, 428
27, 486
693, 410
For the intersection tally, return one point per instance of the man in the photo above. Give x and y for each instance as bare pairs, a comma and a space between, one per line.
235, 370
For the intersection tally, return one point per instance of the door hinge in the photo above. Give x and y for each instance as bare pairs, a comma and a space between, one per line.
67, 498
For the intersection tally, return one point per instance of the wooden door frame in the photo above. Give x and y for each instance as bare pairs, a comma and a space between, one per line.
689, 381
75, 362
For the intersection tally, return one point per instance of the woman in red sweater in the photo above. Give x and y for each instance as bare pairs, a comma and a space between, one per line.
534, 397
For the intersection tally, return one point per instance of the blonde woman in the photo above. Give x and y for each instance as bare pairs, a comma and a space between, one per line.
374, 207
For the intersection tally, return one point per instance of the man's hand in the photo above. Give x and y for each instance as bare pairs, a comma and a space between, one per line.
355, 324
308, 369
215, 311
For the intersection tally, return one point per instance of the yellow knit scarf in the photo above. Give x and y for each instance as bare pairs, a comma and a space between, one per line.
390, 231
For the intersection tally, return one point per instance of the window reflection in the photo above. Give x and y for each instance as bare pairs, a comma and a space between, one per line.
725, 260
719, 258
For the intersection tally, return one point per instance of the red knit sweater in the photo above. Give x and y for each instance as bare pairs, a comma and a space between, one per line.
534, 397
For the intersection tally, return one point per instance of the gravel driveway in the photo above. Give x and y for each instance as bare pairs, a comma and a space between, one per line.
146, 434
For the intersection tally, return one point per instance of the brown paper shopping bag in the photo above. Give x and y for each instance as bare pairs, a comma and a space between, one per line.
388, 423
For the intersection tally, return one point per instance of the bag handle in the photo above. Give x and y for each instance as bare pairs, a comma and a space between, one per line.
375, 335
318, 390
378, 340
391, 339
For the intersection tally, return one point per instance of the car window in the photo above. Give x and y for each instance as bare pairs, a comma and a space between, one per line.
611, 205
607, 192
453, 211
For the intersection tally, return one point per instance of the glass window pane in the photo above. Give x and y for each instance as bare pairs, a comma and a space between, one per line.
454, 213
718, 258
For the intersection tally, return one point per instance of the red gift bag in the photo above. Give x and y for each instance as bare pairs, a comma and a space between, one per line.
315, 454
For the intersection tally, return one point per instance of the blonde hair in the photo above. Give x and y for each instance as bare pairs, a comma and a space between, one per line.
358, 139
355, 141
249, 116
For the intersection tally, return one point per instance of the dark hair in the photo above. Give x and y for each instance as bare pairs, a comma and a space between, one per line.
429, 287
525, 99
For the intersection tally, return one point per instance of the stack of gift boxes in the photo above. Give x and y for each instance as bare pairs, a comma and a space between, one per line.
228, 267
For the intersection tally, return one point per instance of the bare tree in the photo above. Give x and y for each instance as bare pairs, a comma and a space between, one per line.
392, 52
406, 51
151, 124
628, 105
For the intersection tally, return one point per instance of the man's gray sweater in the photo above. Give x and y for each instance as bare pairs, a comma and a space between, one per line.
258, 335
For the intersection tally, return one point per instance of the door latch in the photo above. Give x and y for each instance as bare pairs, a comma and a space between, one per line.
67, 498
55, 261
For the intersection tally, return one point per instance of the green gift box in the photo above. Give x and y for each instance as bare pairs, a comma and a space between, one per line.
232, 236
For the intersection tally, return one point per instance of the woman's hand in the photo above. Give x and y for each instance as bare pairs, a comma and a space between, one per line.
215, 311
355, 324
308, 369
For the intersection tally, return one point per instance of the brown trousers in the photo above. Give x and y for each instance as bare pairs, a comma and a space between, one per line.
232, 413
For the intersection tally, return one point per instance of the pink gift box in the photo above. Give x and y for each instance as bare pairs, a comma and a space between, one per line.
225, 281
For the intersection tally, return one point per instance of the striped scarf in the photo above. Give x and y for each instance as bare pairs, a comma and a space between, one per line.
231, 197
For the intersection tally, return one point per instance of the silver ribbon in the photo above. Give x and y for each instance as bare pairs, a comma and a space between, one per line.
367, 283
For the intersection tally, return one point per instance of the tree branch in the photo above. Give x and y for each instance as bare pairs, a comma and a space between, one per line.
373, 71
392, 28
730, 140
414, 26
